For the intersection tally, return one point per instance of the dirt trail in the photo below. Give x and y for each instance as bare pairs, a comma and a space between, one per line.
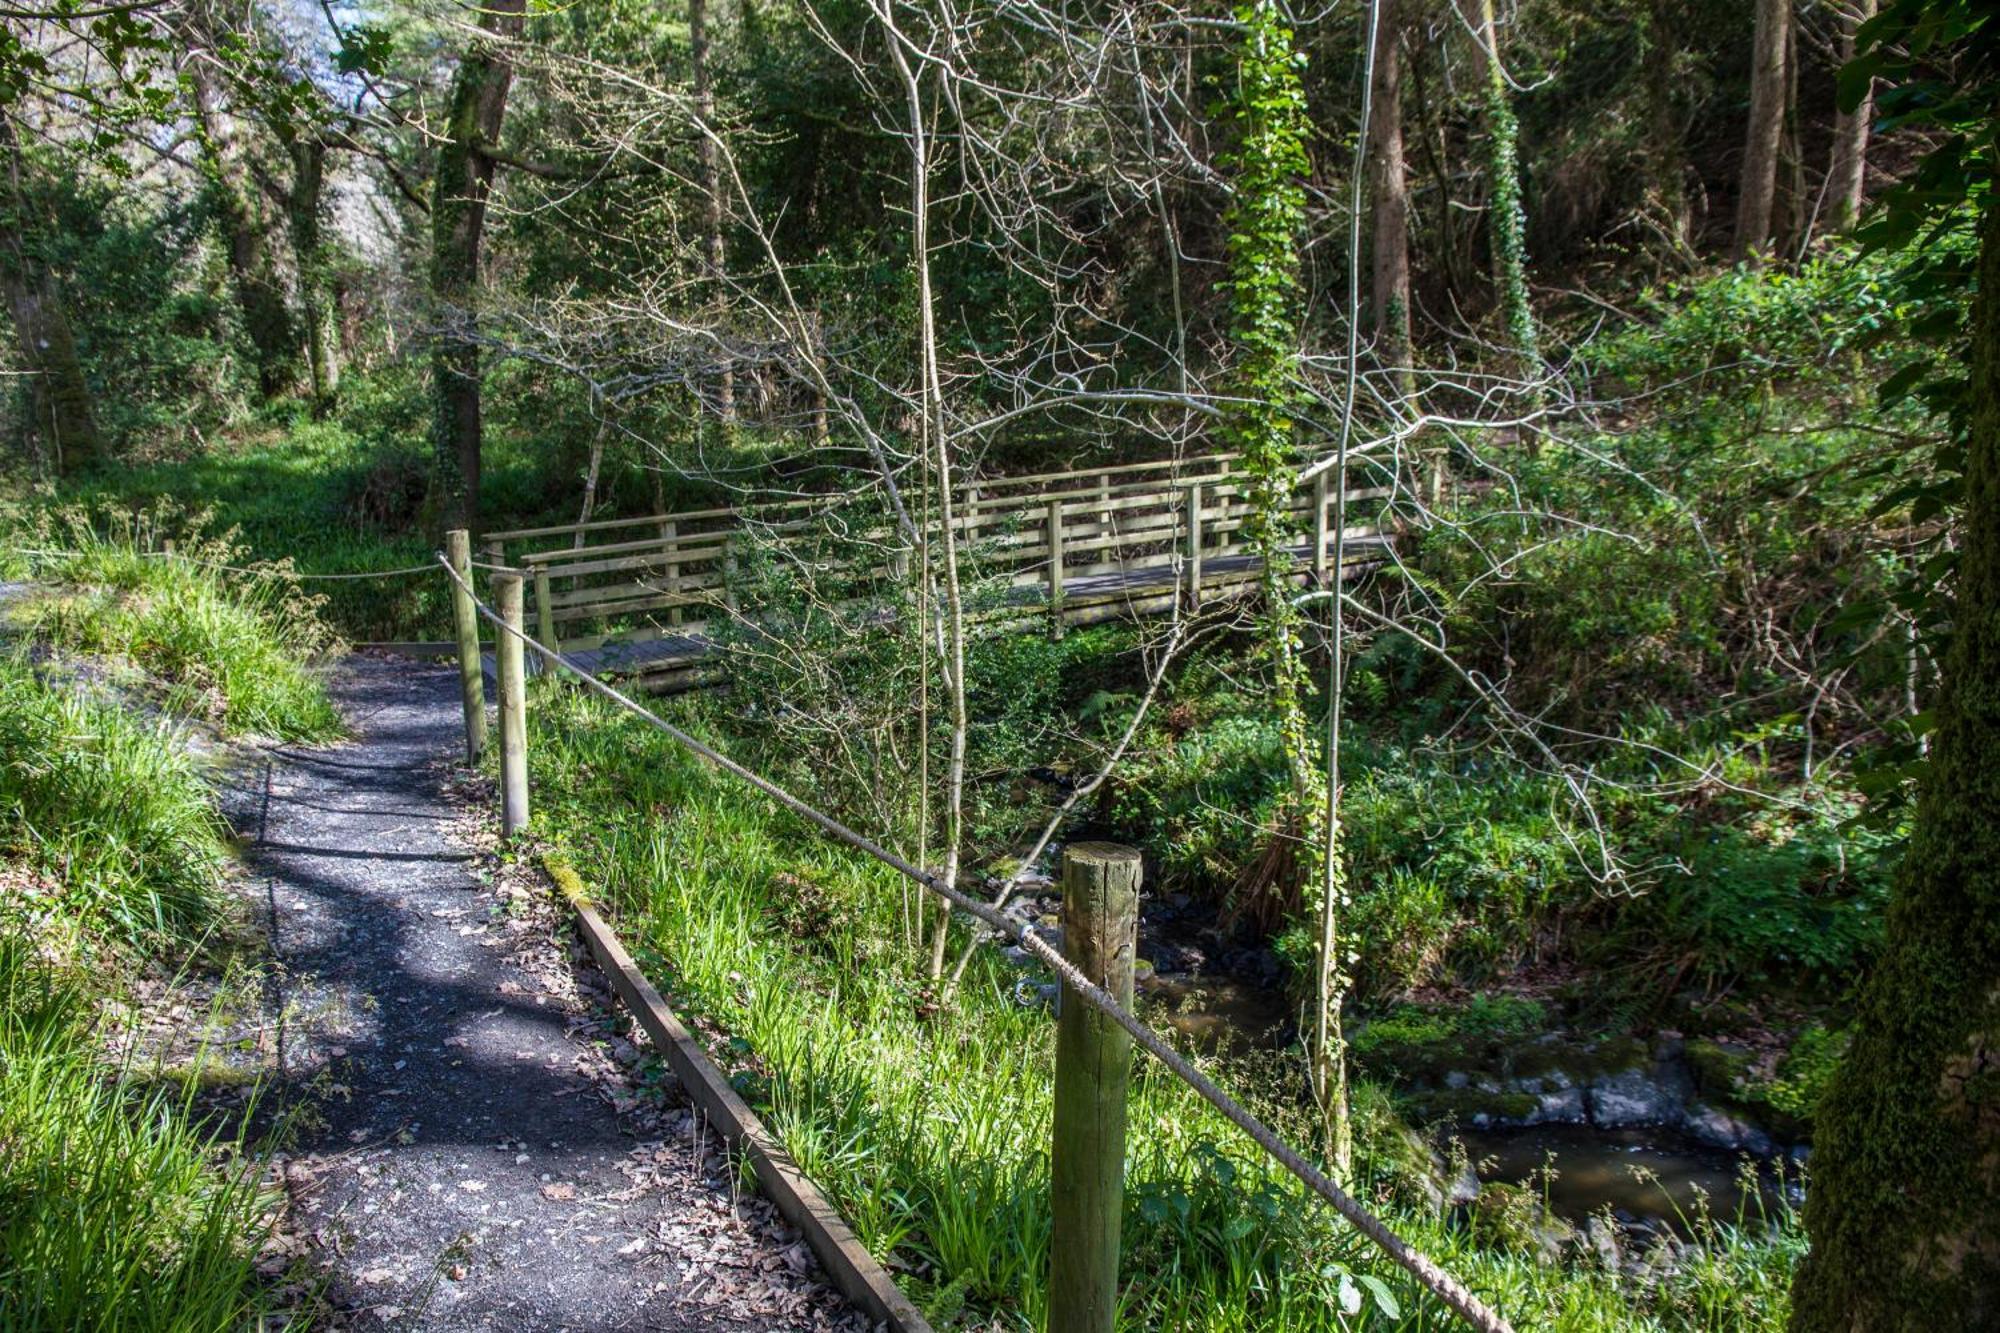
468, 1153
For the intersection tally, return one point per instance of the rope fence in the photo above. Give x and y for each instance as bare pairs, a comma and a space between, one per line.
1425, 1270
267, 572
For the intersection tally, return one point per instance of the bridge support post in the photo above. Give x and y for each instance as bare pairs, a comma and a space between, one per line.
1100, 922
471, 673
670, 538
1194, 548
1055, 540
545, 620
1319, 529
513, 707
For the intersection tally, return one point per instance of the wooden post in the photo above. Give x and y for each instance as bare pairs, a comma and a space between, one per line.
1055, 527
1194, 547
1100, 922
670, 535
471, 674
1319, 528
729, 571
513, 708
545, 620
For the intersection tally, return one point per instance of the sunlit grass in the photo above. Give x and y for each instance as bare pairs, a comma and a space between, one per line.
117, 1209
932, 1133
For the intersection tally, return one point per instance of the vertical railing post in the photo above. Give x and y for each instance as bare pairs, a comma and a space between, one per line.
670, 539
729, 571
545, 620
1055, 540
513, 707
471, 673
1194, 547
1100, 923
1319, 529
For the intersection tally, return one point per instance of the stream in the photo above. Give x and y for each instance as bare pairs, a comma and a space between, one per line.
1648, 1175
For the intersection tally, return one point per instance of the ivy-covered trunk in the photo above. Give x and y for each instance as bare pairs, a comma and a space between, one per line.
239, 213
458, 221
1506, 218
1265, 220
1903, 1206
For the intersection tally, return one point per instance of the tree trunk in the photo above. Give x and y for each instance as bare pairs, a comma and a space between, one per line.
1847, 175
1768, 80
316, 304
1665, 151
1904, 1207
458, 221
711, 187
1390, 192
239, 212
58, 393
1507, 220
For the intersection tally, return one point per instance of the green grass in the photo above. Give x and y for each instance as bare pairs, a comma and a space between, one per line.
117, 1209
229, 648
930, 1131
112, 811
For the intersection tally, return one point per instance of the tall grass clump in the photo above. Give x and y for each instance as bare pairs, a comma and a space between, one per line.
230, 648
117, 1210
930, 1128
112, 811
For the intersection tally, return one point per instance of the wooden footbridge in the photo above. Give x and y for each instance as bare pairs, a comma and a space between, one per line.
649, 597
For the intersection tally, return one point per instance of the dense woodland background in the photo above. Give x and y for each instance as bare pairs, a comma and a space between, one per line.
1655, 319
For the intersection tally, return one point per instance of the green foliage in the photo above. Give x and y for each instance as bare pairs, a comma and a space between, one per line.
928, 1130
1803, 1076
231, 649
109, 809
116, 1209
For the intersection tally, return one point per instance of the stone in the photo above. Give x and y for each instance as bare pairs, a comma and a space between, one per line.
1562, 1106
1601, 1236
1632, 1097
1717, 1128
1458, 1078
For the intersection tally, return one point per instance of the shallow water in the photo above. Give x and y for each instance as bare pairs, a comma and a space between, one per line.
1646, 1175
1219, 1014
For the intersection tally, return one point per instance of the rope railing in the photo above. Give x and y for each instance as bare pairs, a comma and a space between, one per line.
1425, 1270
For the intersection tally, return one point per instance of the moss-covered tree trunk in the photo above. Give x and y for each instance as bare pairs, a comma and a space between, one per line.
58, 394
1903, 1206
1389, 194
458, 222
245, 226
317, 314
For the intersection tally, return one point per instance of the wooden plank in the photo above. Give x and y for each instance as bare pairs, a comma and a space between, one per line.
846, 1260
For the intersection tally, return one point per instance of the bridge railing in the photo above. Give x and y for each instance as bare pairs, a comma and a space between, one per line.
1078, 547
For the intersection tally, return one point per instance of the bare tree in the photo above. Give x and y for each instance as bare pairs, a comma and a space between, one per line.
1848, 170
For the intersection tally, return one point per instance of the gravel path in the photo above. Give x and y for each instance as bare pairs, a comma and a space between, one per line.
470, 1147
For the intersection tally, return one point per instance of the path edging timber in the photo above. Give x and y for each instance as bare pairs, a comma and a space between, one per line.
847, 1261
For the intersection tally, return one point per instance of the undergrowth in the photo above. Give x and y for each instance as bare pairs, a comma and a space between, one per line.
230, 648
117, 1208
930, 1129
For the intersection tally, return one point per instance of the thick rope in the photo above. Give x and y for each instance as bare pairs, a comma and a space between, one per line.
1419, 1265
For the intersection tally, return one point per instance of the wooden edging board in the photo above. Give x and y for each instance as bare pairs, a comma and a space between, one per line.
846, 1260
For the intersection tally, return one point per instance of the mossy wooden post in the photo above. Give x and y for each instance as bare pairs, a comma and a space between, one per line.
1100, 921
513, 707
1055, 539
1194, 548
545, 620
471, 674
